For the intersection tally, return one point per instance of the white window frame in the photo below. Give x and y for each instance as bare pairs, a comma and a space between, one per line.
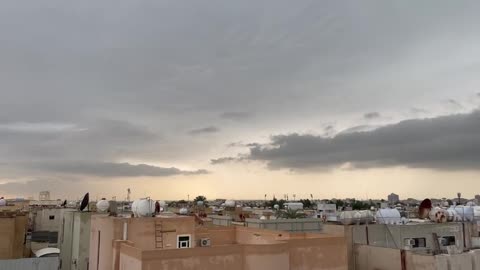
189, 242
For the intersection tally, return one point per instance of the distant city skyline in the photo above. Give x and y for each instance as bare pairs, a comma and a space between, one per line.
240, 99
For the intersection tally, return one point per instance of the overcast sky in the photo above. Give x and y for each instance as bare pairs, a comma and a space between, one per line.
237, 99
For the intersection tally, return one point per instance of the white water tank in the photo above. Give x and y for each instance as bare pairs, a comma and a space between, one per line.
388, 216
143, 207
103, 205
355, 217
438, 215
276, 206
465, 213
294, 206
230, 203
163, 204
3, 202
183, 211
347, 217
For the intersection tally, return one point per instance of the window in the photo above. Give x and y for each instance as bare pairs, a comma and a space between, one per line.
447, 240
416, 242
183, 241
51, 217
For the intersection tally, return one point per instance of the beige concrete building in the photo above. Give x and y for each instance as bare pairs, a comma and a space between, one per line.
74, 240
13, 227
48, 219
179, 243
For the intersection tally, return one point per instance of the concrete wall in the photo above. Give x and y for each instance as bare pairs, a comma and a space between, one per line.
65, 241
322, 253
218, 235
75, 240
296, 254
393, 236
419, 261
221, 220
231, 248
102, 234
377, 258
12, 236
140, 231
291, 225
42, 221
49, 263
81, 240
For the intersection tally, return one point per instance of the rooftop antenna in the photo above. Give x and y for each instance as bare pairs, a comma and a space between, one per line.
459, 196
85, 202
128, 194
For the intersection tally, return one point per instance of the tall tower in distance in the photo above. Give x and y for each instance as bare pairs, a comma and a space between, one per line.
44, 196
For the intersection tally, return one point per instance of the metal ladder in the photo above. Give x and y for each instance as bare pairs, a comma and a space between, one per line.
158, 234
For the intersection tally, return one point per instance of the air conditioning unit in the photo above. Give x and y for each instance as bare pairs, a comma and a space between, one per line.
409, 242
205, 242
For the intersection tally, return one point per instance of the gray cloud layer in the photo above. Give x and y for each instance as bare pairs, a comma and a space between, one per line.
105, 169
448, 142
210, 129
110, 81
371, 115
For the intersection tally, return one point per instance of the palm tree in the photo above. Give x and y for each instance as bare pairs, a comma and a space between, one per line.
290, 214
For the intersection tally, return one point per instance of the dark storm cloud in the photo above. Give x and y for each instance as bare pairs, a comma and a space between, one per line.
371, 115
223, 160
30, 148
205, 130
107, 169
448, 142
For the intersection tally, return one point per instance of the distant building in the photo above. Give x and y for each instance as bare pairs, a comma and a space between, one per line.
477, 199
327, 212
44, 196
393, 198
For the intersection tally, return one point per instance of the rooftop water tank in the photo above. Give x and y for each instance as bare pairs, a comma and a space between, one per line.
388, 216
355, 217
230, 203
465, 213
294, 205
3, 202
143, 208
163, 204
438, 215
103, 205
276, 206
347, 217
183, 211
